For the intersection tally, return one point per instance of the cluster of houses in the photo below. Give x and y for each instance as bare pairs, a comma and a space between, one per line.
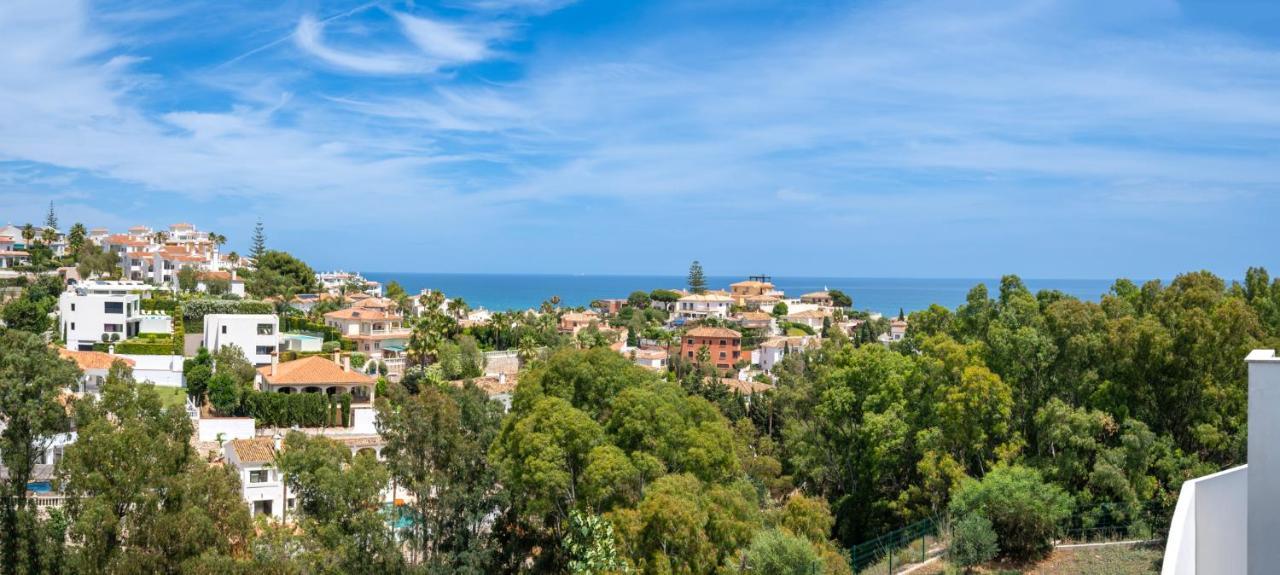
747, 305
95, 316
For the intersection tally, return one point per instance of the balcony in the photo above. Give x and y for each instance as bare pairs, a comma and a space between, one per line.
1208, 533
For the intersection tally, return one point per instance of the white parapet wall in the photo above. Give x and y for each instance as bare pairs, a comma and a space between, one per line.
1264, 462
225, 428
162, 370
1208, 534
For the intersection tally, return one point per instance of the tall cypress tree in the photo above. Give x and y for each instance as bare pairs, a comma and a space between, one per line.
51, 220
259, 242
697, 281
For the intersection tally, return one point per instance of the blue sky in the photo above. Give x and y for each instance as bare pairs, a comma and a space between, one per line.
900, 139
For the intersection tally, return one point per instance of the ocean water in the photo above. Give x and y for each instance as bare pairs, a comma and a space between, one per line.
885, 295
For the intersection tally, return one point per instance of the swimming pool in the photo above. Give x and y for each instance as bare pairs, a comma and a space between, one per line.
39, 487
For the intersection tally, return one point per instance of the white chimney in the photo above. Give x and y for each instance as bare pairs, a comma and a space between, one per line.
502, 378
275, 362
279, 440
337, 356
346, 363
1264, 461
111, 349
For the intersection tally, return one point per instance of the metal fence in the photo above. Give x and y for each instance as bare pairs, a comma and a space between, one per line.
908, 544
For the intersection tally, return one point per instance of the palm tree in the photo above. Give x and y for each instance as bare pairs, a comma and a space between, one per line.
28, 233
457, 308
159, 237
234, 258
48, 236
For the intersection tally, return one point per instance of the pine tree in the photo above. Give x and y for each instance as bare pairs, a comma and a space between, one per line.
259, 242
901, 315
697, 281
51, 220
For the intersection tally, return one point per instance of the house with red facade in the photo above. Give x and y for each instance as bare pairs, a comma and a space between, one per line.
724, 344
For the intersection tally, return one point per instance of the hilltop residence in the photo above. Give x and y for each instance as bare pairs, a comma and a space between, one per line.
378, 333
316, 374
655, 359
262, 483
574, 321
724, 345
91, 310
702, 306
812, 318
822, 298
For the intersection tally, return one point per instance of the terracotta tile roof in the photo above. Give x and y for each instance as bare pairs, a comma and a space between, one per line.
745, 387
795, 341
710, 297
215, 275
139, 229
754, 316
313, 370
762, 299
810, 314
712, 332
361, 313
256, 450
751, 283
13, 253
650, 353
580, 316
93, 359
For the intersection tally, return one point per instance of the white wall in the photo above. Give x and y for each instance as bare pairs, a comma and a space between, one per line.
1264, 462
241, 330
162, 370
229, 427
362, 419
1208, 532
156, 322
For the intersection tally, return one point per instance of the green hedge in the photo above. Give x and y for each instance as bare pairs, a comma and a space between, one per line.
287, 409
132, 347
293, 323
159, 304
194, 310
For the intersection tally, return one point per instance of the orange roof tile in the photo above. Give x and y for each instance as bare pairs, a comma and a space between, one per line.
314, 370
93, 359
713, 332
746, 387
256, 450
361, 313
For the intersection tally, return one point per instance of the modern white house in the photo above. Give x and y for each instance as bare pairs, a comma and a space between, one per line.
255, 334
1228, 523
88, 312
772, 351
655, 359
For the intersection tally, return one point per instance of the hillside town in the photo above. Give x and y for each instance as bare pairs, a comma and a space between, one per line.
308, 409
167, 300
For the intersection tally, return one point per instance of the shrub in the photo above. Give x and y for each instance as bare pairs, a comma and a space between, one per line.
159, 304
133, 347
973, 541
224, 393
778, 552
179, 343
194, 310
1022, 508
287, 409
198, 377
345, 400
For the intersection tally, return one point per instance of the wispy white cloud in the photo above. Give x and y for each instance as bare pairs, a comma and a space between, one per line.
450, 43
309, 37
529, 6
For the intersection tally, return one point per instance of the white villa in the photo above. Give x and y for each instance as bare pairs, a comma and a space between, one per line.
90, 310
701, 306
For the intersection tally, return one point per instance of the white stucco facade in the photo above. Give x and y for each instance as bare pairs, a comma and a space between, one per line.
257, 335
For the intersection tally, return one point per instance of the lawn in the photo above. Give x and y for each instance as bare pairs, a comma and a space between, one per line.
1110, 560
172, 396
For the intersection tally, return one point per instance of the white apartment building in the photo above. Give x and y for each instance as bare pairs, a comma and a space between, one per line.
257, 335
334, 282
90, 310
700, 306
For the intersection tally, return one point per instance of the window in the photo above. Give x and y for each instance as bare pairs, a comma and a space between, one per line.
722, 356
224, 329
73, 306
690, 341
722, 342
691, 354
266, 329
113, 307
259, 476
112, 328
262, 507
264, 350
73, 326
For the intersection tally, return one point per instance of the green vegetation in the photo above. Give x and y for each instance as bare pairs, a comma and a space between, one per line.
697, 281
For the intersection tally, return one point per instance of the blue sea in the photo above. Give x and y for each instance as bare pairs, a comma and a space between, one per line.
885, 295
